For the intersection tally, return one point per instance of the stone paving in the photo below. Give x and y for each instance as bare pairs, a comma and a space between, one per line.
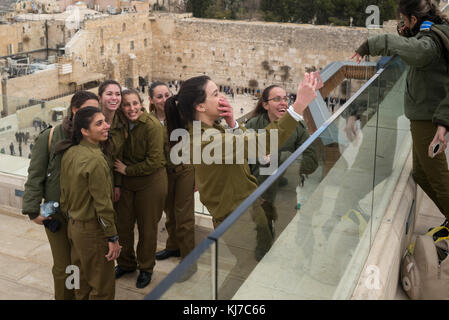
26, 261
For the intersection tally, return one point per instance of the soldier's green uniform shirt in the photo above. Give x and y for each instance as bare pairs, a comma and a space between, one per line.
309, 161
223, 187
86, 188
117, 136
427, 85
143, 151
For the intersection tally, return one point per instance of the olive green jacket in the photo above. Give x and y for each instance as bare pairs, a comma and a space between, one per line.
86, 188
427, 85
43, 172
309, 161
118, 132
143, 151
222, 187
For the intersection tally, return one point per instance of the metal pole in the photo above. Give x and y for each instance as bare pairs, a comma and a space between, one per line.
214, 271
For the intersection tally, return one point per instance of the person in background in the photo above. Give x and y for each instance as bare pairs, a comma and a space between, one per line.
110, 95
180, 204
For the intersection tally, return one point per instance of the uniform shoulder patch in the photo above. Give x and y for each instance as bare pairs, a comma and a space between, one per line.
426, 26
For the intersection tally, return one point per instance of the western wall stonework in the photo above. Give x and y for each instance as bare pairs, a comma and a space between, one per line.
233, 53
121, 47
170, 47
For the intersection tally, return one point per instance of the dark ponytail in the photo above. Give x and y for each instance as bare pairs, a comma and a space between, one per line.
180, 109
259, 109
82, 120
78, 99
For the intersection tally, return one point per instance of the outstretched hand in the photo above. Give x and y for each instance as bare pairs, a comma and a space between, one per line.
307, 91
358, 57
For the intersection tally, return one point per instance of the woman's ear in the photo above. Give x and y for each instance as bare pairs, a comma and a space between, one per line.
84, 132
201, 108
413, 21
265, 105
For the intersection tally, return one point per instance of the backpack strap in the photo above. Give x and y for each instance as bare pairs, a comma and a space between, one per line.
50, 137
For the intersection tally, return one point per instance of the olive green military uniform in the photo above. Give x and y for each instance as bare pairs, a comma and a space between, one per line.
223, 187
143, 193
118, 132
308, 164
426, 104
180, 205
86, 198
43, 182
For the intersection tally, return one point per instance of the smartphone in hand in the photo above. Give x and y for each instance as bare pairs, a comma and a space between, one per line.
434, 150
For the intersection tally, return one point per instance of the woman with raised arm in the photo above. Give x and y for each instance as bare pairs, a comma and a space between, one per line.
272, 105
426, 101
223, 186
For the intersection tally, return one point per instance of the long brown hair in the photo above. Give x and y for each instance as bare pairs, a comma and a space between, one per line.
180, 108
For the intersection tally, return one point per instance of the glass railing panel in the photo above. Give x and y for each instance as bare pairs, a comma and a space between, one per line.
393, 137
194, 279
322, 217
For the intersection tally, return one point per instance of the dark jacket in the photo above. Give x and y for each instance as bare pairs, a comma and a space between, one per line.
427, 85
143, 150
43, 172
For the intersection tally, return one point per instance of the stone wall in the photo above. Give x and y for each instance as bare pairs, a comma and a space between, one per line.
119, 43
235, 52
27, 35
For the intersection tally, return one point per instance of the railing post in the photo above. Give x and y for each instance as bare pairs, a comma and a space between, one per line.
214, 271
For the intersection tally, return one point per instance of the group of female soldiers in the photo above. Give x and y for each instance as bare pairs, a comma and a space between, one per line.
108, 166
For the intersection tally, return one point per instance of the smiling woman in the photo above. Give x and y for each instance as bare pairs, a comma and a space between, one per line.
144, 188
86, 199
271, 106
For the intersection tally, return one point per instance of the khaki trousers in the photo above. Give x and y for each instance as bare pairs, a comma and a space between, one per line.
142, 199
60, 250
432, 175
89, 248
180, 208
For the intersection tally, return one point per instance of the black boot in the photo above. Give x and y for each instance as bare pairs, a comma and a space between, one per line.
165, 254
119, 272
143, 279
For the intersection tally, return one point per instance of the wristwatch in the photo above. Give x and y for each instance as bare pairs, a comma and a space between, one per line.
113, 239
